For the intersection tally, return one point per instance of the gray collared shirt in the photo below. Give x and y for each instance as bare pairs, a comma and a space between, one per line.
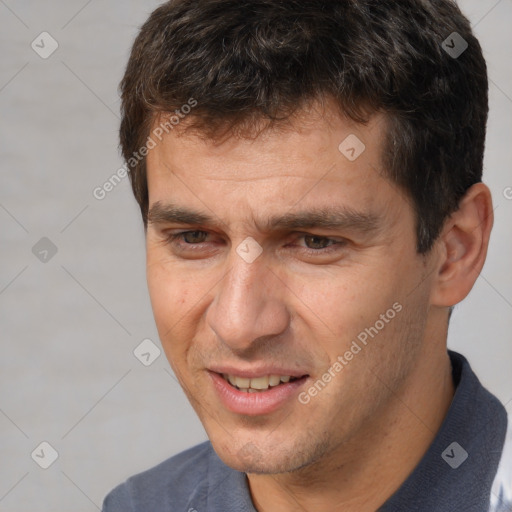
456, 474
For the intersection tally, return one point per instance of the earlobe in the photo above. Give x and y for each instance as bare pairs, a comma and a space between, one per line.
463, 247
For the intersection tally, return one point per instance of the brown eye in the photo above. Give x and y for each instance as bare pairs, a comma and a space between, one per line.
194, 237
317, 242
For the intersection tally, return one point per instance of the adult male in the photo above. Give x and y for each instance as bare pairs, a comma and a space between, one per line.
309, 175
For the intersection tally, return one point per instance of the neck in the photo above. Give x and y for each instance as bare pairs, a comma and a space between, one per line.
363, 473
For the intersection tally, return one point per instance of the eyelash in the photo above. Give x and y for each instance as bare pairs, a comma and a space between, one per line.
337, 244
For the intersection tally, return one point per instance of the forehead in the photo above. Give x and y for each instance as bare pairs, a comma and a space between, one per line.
315, 160
311, 137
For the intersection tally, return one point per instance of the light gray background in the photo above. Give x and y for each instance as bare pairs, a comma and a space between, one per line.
69, 326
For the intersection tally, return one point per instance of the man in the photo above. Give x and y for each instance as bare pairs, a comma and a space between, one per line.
309, 176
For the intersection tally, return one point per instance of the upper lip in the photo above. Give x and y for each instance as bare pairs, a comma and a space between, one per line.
251, 373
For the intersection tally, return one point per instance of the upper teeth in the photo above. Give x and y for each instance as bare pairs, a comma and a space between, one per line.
264, 382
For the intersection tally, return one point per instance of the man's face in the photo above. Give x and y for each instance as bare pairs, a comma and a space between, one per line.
296, 308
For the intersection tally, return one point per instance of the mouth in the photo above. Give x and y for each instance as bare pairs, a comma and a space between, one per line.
258, 384
255, 394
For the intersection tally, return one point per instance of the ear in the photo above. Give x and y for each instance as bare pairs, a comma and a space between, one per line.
463, 247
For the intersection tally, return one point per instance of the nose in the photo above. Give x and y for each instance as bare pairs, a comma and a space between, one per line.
249, 305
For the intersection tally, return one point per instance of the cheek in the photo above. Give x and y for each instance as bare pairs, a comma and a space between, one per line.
170, 295
358, 310
169, 300
163, 292
345, 301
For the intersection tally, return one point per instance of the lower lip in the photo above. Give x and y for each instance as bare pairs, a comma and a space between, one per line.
253, 404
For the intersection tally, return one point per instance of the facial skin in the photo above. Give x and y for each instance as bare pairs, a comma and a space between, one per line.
353, 444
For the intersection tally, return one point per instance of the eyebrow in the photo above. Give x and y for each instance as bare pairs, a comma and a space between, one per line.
326, 218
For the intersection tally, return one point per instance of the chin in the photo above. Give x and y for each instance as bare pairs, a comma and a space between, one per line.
249, 457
